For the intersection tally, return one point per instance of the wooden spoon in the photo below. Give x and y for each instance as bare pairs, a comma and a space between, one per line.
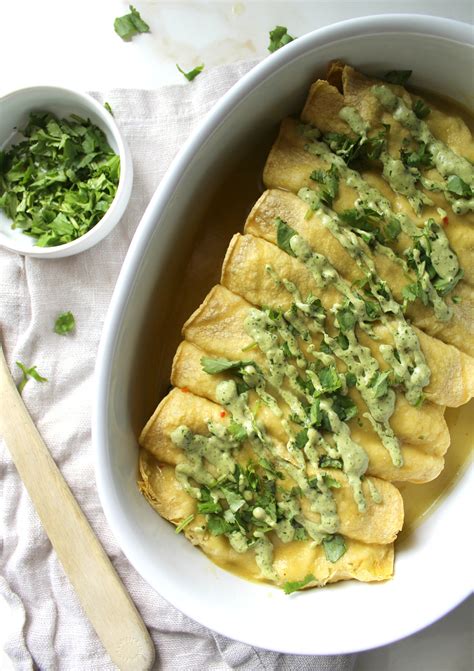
101, 592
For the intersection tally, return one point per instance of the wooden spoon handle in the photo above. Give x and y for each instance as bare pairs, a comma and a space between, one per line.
101, 592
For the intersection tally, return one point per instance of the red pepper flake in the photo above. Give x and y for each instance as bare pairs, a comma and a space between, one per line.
223, 413
185, 389
445, 221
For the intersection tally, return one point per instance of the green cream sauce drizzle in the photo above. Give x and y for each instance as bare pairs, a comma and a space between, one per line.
445, 160
370, 197
412, 369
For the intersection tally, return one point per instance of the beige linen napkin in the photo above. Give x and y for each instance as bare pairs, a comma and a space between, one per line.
49, 628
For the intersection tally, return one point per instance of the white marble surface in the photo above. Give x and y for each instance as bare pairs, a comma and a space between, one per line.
73, 44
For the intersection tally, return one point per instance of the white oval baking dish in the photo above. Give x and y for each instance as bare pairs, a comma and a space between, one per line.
429, 579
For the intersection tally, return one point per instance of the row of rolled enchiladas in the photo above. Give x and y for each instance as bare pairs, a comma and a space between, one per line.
318, 371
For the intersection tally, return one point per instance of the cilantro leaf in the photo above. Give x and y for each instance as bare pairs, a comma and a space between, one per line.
108, 108
237, 431
284, 235
411, 292
212, 366
217, 525
131, 24
344, 146
351, 380
330, 180
315, 413
64, 323
28, 373
296, 585
192, 74
399, 77
458, 186
334, 547
418, 158
279, 36
421, 109
329, 378
344, 407
346, 319
301, 439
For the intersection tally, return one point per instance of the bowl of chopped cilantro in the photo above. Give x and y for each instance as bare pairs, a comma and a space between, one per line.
65, 172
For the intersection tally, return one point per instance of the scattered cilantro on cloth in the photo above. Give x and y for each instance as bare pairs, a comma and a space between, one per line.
27, 374
129, 25
64, 323
192, 74
279, 36
60, 180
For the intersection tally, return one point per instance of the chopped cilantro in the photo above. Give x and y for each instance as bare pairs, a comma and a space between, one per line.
458, 186
393, 229
59, 181
217, 525
207, 504
370, 221
28, 373
411, 292
419, 401
184, 523
399, 77
279, 36
300, 533
192, 74
329, 462
456, 299
64, 323
331, 482
343, 145
108, 108
212, 366
372, 310
284, 235
315, 413
334, 547
379, 383
131, 24
351, 380
444, 285
344, 407
237, 431
301, 439
346, 319
375, 144
329, 379
330, 181
421, 109
418, 158
294, 586
352, 148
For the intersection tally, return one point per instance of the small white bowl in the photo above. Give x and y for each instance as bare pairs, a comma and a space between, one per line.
15, 109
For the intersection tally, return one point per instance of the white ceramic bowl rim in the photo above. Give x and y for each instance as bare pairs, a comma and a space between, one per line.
383, 24
125, 180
